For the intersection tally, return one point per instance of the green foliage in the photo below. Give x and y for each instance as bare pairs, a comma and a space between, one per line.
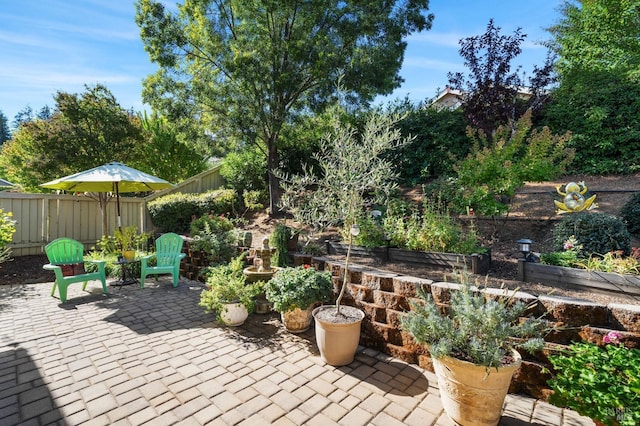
601, 110
488, 177
432, 229
214, 235
5, 133
438, 138
7, 229
597, 233
245, 170
174, 212
372, 234
598, 35
87, 130
298, 287
279, 240
221, 64
478, 328
165, 154
227, 284
567, 258
630, 213
127, 238
600, 383
354, 174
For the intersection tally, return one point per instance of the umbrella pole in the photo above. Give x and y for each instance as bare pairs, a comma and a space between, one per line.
118, 207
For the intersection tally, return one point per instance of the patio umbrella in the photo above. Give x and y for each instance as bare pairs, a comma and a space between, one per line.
113, 177
5, 184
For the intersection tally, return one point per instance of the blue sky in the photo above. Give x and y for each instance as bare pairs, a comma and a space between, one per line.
61, 45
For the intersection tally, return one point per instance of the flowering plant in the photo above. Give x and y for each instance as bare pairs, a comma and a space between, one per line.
567, 258
599, 382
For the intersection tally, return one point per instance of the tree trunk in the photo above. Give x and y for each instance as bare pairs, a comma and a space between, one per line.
274, 183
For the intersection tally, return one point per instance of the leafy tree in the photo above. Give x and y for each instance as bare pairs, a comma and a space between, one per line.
165, 154
85, 131
491, 90
245, 68
598, 99
5, 133
597, 35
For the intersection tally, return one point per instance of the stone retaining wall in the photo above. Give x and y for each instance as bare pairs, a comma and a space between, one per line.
385, 297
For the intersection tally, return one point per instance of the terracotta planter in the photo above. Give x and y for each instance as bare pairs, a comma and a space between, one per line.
234, 314
338, 341
469, 395
297, 320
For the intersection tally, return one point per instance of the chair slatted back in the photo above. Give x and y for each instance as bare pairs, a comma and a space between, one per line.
168, 247
64, 251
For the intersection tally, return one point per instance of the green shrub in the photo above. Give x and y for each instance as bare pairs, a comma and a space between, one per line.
433, 229
298, 287
597, 233
7, 228
174, 212
371, 234
245, 170
630, 213
279, 240
215, 236
601, 383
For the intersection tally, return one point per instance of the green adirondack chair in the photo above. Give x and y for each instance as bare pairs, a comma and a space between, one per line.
168, 256
66, 261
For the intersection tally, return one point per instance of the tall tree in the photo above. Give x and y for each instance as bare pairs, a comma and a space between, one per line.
597, 35
244, 68
5, 133
84, 131
492, 90
598, 98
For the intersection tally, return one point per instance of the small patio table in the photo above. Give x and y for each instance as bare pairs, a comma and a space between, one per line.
126, 276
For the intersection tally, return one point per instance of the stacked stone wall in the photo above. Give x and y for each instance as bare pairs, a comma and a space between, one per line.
385, 297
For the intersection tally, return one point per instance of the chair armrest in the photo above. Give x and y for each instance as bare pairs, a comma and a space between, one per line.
182, 255
50, 267
97, 262
145, 259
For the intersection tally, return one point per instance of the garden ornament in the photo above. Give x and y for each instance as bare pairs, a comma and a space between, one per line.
573, 198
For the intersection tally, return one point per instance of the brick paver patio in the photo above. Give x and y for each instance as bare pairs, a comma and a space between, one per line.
152, 356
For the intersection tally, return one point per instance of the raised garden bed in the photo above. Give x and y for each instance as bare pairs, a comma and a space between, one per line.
475, 263
583, 279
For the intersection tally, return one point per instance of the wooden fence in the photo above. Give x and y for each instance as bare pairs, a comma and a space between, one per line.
42, 218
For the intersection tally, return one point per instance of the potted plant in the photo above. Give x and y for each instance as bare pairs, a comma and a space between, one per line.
473, 348
126, 238
228, 294
294, 292
599, 382
354, 173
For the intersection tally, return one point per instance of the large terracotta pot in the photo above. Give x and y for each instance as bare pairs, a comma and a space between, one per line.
297, 320
338, 337
234, 314
469, 395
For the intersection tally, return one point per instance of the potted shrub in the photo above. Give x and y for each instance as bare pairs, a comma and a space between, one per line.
294, 292
126, 238
354, 174
473, 348
599, 382
228, 294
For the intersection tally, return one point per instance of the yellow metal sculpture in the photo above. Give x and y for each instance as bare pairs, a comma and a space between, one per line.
573, 198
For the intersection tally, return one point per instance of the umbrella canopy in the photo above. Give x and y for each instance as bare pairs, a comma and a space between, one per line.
112, 177
6, 184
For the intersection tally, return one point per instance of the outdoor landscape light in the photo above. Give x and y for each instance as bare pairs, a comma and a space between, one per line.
524, 245
355, 230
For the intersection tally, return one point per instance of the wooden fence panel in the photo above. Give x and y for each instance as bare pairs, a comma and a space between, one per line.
42, 218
